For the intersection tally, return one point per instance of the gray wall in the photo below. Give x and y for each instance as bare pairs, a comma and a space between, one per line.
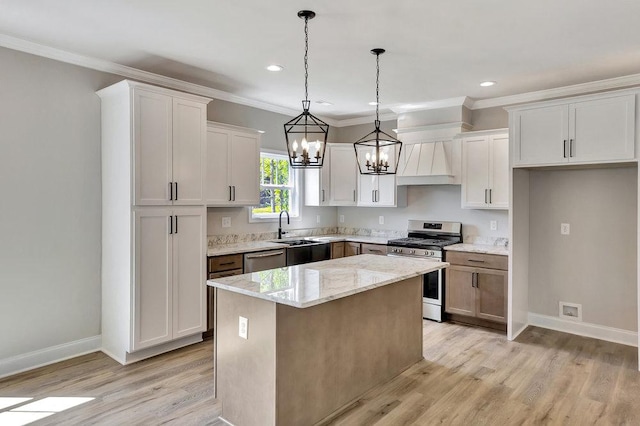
489, 118
350, 134
50, 210
596, 264
429, 202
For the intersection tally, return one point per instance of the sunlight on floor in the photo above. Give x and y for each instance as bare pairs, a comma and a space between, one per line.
28, 413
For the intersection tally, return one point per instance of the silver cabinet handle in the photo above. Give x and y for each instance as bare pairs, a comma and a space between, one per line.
354, 195
176, 183
257, 256
234, 192
564, 148
373, 195
176, 231
230, 195
475, 260
170, 191
490, 202
170, 225
570, 147
485, 195
323, 195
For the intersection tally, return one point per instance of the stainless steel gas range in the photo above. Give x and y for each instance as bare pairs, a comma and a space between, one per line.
427, 240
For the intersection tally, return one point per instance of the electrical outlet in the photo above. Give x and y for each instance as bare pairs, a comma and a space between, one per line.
317, 218
493, 225
243, 327
381, 220
341, 218
226, 222
565, 229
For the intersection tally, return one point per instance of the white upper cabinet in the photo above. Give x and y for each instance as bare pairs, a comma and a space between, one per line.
380, 191
168, 140
485, 171
233, 164
590, 130
343, 175
317, 183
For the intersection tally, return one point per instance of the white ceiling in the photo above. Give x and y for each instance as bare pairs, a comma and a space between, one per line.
435, 49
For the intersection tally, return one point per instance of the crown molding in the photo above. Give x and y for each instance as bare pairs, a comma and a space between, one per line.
33, 48
139, 75
560, 92
442, 103
364, 120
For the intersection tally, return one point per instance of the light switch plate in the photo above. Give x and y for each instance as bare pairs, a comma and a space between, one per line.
381, 220
226, 222
317, 218
565, 229
341, 218
243, 327
493, 225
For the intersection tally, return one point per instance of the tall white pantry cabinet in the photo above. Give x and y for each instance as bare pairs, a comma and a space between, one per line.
153, 220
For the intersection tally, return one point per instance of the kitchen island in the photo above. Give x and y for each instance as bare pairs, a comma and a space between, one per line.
317, 336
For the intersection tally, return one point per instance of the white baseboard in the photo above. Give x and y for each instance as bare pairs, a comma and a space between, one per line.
46, 356
610, 334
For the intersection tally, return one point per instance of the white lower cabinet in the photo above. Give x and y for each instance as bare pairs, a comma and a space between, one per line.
169, 287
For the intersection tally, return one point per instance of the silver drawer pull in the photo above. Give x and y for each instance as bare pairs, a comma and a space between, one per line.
475, 260
256, 256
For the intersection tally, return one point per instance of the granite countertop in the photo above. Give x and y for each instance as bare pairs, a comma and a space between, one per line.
246, 247
479, 248
251, 246
315, 283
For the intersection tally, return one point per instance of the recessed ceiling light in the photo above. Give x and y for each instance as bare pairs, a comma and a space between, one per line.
324, 103
487, 83
373, 103
275, 67
261, 131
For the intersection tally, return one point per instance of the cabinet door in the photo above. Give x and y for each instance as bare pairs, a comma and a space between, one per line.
460, 296
343, 175
337, 250
475, 172
218, 186
152, 136
367, 187
152, 322
540, 135
499, 171
491, 295
317, 189
351, 249
189, 142
188, 285
245, 165
602, 129
386, 195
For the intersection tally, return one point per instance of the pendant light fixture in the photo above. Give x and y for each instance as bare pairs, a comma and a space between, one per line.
378, 153
306, 135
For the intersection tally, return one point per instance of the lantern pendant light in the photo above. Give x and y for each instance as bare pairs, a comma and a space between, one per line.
306, 135
378, 153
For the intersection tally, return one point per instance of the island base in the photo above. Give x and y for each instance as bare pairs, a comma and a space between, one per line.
298, 366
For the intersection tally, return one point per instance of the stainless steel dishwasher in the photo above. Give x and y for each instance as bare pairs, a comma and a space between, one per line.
263, 260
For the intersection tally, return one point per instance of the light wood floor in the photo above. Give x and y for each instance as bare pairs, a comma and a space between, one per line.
470, 376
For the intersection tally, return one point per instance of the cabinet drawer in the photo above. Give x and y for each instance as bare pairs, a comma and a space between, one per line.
214, 275
478, 260
374, 249
225, 263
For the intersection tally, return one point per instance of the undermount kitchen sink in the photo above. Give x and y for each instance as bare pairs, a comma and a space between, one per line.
304, 242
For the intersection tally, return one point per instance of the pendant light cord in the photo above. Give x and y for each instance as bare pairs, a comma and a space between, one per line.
306, 58
377, 87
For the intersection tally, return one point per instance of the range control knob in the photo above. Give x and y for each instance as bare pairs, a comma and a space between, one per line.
412, 251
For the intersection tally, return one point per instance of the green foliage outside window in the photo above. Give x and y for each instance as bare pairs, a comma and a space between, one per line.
276, 185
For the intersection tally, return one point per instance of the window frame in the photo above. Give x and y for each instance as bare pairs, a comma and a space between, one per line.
295, 188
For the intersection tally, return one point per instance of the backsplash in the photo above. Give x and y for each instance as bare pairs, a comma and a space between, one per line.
213, 240
486, 241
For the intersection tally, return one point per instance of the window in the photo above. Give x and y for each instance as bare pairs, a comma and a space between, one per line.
278, 187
